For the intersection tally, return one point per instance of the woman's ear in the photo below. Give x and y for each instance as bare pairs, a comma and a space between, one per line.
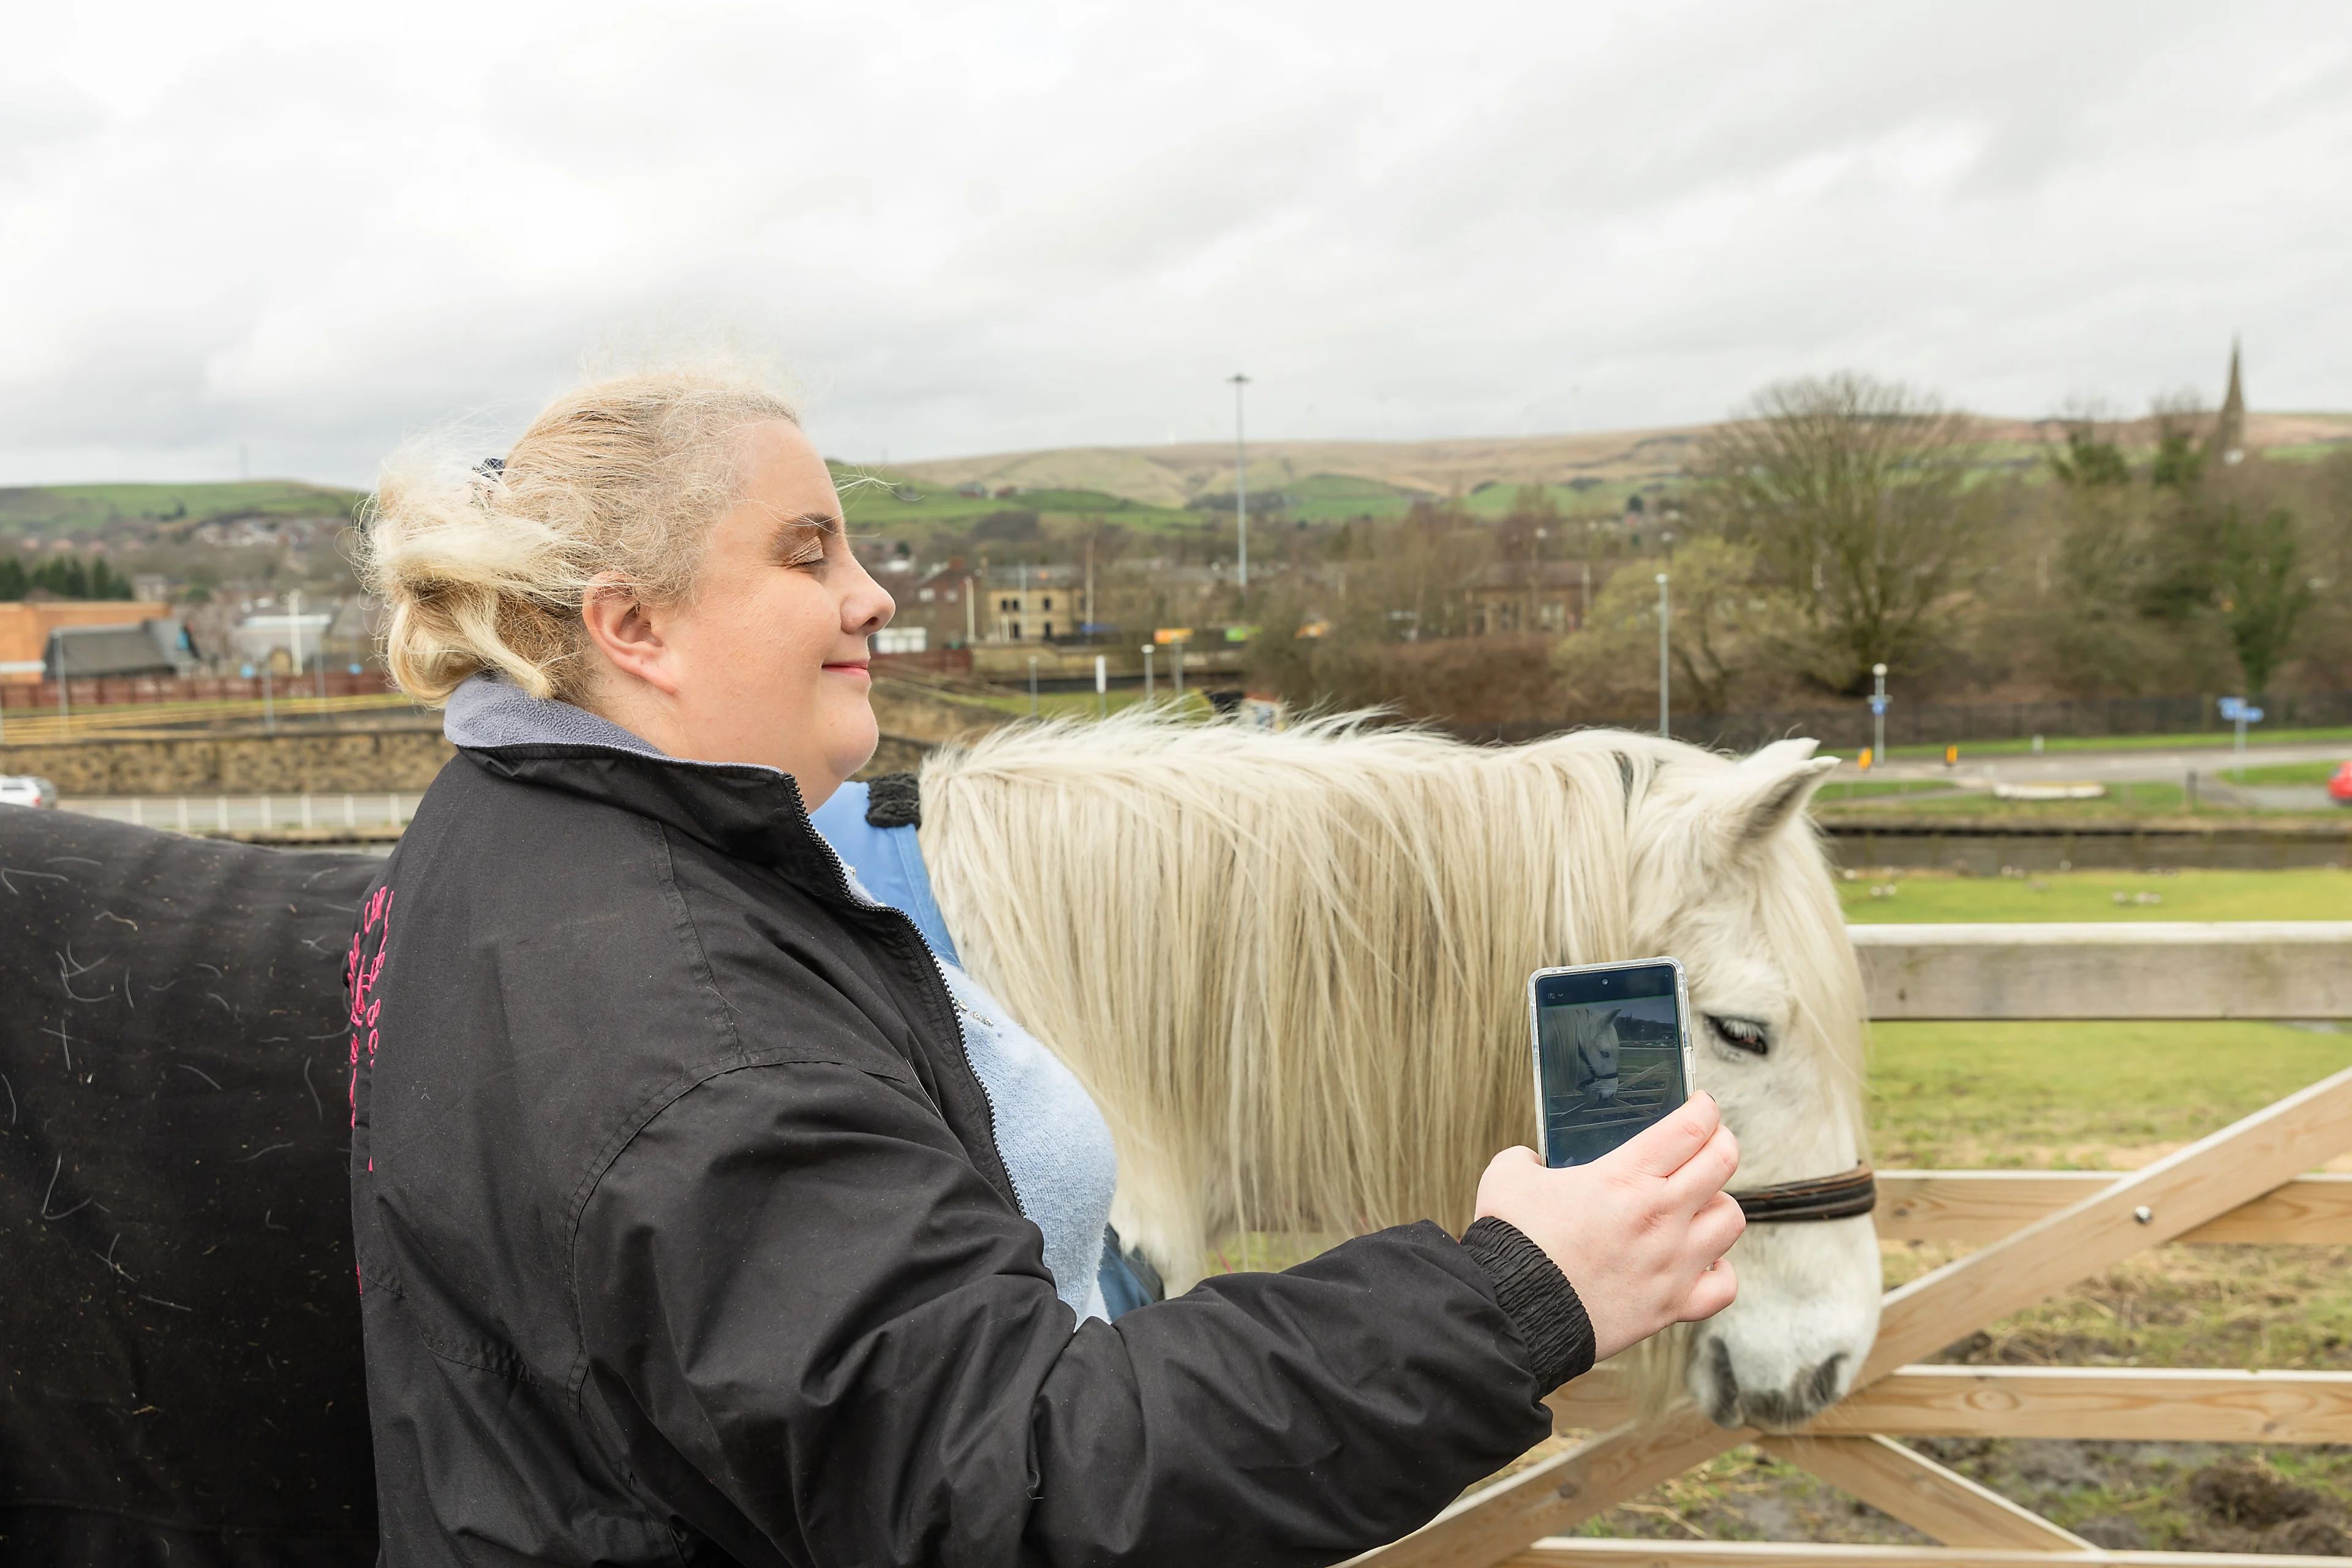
627, 633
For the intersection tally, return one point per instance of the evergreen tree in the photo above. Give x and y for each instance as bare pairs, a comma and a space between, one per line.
2265, 591
12, 581
2089, 461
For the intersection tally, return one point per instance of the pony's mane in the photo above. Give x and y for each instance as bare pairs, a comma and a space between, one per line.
1305, 952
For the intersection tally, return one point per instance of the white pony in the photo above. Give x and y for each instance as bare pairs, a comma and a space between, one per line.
1292, 968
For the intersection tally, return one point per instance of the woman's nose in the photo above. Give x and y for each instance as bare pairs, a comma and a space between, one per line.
868, 606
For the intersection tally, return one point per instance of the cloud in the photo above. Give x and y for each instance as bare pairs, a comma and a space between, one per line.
309, 231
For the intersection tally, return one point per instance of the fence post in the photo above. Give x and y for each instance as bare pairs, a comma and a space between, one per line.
306, 808
264, 813
351, 812
184, 813
223, 804
138, 813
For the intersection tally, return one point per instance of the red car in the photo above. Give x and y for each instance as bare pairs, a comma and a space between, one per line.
2339, 787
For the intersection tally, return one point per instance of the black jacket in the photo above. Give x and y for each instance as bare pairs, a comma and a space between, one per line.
683, 1236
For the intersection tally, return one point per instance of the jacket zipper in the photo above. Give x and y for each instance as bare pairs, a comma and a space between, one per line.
957, 1011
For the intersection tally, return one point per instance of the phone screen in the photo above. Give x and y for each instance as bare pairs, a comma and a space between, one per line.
1610, 1054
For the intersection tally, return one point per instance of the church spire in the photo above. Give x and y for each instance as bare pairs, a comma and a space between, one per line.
2229, 441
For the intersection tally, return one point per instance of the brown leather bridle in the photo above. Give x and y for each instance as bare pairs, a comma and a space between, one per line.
1814, 1198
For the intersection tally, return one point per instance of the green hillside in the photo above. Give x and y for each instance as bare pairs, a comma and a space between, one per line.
877, 502
55, 509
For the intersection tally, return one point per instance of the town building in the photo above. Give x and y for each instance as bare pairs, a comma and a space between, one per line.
1527, 596
1031, 604
26, 630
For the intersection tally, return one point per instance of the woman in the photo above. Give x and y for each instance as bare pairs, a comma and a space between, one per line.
690, 1216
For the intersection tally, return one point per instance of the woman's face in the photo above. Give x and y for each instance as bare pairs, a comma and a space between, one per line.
766, 661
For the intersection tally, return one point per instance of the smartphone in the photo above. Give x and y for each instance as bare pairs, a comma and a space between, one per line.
1613, 1053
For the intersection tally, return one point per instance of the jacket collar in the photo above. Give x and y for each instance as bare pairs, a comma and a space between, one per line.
741, 809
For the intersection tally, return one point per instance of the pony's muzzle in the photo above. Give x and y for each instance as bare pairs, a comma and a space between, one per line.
1731, 1406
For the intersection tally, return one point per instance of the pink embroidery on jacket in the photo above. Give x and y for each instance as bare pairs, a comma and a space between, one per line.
362, 970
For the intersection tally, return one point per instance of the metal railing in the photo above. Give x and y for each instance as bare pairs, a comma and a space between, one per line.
220, 814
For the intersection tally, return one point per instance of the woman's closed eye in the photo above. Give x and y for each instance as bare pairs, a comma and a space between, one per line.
804, 541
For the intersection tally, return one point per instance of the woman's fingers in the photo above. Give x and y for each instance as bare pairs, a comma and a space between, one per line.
1705, 1173
1714, 1291
1717, 1225
1667, 1146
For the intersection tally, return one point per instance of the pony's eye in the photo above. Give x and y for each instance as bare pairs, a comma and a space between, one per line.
1740, 1034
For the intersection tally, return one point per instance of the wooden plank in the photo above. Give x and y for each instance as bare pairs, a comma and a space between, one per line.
1923, 1494
2117, 1404
2180, 1192
2157, 1202
1577, 1551
2111, 1403
2234, 969
1562, 1491
1985, 1205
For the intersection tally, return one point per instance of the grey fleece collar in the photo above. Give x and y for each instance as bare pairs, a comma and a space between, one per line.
487, 713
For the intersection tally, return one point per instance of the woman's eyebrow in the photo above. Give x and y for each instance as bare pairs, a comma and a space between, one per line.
792, 526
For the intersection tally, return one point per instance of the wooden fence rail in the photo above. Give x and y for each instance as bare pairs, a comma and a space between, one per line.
2041, 1232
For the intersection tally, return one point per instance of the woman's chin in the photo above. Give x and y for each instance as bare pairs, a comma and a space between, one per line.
854, 745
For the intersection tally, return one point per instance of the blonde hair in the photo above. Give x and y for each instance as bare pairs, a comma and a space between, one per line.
485, 568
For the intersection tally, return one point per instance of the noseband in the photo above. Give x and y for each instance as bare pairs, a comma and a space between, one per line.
1814, 1198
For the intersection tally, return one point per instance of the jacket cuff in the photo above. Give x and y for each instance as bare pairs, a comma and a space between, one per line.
1538, 1298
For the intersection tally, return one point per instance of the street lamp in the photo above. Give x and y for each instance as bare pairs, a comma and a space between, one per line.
1879, 715
1240, 478
1665, 733
1150, 691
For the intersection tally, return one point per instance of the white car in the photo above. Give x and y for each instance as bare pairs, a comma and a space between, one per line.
24, 789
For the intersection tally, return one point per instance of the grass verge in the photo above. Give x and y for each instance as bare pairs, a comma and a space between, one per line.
1892, 897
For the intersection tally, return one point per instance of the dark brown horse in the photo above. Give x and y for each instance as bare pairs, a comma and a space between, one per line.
179, 1327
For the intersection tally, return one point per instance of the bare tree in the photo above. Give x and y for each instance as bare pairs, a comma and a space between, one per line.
1609, 665
1855, 495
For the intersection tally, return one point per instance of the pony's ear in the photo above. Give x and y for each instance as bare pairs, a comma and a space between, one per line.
1765, 793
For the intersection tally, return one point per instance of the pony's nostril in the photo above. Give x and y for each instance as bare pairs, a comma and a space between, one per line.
1825, 1382
1776, 1411
1722, 1400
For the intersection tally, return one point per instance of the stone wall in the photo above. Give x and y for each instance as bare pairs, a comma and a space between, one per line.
356, 759
317, 761
920, 713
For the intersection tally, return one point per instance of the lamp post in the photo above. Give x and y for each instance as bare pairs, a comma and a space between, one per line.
1240, 478
1665, 667
1150, 688
65, 715
1032, 686
1879, 715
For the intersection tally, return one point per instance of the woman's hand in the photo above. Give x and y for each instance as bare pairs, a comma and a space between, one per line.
1640, 1232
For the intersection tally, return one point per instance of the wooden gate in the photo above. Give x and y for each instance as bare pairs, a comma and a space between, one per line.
2044, 1231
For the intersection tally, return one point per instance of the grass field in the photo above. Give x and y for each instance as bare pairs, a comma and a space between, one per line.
2284, 773
79, 509
877, 502
1938, 896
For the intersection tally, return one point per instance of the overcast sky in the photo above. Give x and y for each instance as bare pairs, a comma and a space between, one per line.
309, 230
